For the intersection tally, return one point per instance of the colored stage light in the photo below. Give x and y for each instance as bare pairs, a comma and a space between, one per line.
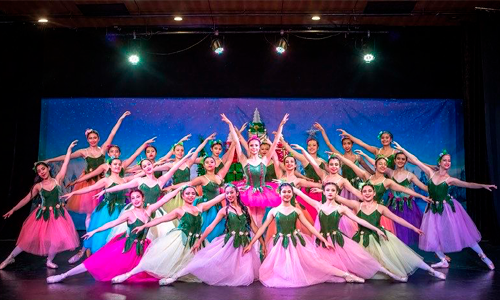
282, 46
217, 46
43, 20
368, 58
134, 59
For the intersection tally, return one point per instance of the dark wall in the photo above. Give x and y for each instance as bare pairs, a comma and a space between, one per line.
410, 63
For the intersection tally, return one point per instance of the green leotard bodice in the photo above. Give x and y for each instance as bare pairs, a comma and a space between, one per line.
270, 173
398, 199
50, 203
330, 227
310, 173
219, 167
379, 191
190, 225
286, 228
255, 175
138, 238
237, 226
365, 233
181, 175
114, 200
93, 163
151, 194
439, 193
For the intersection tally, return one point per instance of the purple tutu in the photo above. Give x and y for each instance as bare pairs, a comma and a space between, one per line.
407, 209
449, 231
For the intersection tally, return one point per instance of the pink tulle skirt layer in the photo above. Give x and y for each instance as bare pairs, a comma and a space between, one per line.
224, 265
295, 266
351, 258
388, 224
111, 261
448, 232
311, 210
42, 237
85, 203
268, 197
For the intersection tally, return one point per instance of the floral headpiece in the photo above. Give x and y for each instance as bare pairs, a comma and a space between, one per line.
178, 144
189, 186
443, 153
380, 156
363, 183
254, 137
89, 131
379, 136
109, 160
139, 162
215, 142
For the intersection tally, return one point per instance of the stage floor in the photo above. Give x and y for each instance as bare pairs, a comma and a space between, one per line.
468, 278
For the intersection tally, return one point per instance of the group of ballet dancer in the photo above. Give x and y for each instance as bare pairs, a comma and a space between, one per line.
276, 225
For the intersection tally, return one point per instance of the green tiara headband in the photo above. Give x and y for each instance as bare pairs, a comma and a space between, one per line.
443, 153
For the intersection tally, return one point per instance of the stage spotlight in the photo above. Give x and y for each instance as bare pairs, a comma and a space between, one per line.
43, 20
282, 46
217, 46
134, 59
368, 58
178, 18
316, 18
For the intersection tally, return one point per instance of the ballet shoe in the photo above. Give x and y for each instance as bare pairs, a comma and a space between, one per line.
167, 281
56, 278
352, 278
487, 261
51, 265
443, 264
75, 258
9, 260
120, 278
88, 253
438, 274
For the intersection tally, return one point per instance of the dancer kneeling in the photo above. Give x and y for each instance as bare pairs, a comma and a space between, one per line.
393, 254
293, 262
171, 253
123, 252
348, 255
222, 262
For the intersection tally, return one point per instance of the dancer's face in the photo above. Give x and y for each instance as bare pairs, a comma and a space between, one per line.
290, 163
264, 149
368, 193
136, 199
116, 166
114, 152
385, 139
254, 147
231, 194
347, 145
330, 191
150, 153
381, 165
147, 166
286, 194
400, 160
312, 147
43, 171
216, 150
445, 162
92, 139
189, 195
209, 164
179, 151
333, 165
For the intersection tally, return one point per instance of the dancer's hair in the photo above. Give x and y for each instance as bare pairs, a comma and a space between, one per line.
244, 209
337, 189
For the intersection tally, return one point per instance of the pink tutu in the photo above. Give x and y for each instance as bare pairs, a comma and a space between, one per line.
265, 196
350, 258
42, 237
295, 266
85, 203
224, 265
388, 224
111, 261
449, 231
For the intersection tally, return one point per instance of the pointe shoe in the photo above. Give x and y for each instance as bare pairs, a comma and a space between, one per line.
438, 274
353, 278
75, 258
9, 260
56, 278
485, 259
167, 281
401, 278
51, 265
120, 278
443, 264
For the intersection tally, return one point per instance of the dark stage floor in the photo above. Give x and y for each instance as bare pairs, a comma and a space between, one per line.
468, 278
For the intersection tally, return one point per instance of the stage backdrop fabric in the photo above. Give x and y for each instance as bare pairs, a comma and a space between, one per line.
423, 126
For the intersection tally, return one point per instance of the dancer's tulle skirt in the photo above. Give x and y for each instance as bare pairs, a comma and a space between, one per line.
84, 203
174, 203
97, 219
208, 216
111, 261
266, 197
448, 232
412, 215
44, 237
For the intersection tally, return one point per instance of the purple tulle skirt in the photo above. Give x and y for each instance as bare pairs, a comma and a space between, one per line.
412, 215
449, 231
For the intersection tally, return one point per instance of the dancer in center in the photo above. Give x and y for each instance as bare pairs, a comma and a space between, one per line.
256, 194
171, 253
292, 260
